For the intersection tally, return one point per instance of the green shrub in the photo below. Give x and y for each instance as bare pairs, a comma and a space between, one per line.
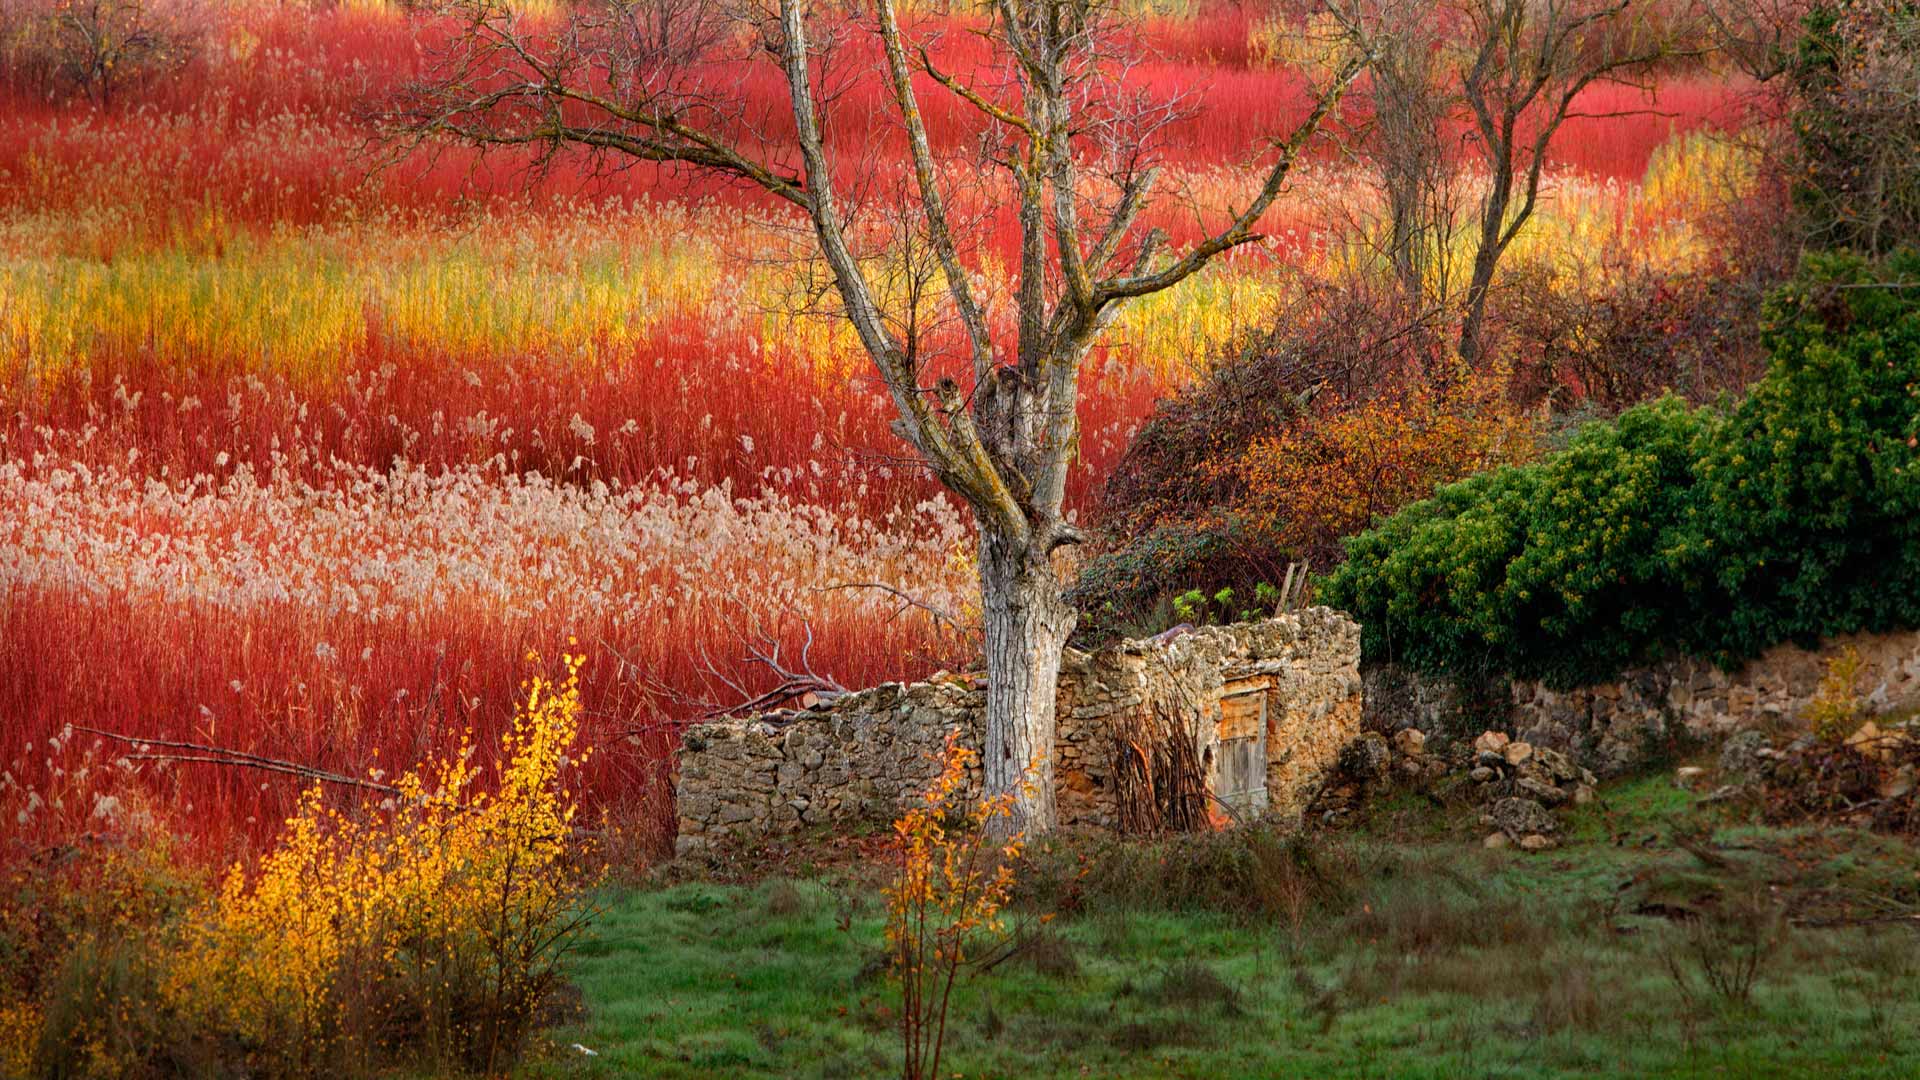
1675, 529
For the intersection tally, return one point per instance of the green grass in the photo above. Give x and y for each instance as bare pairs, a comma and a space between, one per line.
1430, 957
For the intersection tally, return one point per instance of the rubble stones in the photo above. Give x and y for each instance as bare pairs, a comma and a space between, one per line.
1899, 785
1490, 742
1548, 794
1411, 742
1743, 757
863, 755
1521, 818
1366, 758
1546, 776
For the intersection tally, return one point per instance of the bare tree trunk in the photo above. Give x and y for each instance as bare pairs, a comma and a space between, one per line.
1027, 624
1486, 259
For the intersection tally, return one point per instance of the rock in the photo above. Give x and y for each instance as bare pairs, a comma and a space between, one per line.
1549, 794
1743, 757
1496, 840
1583, 795
1558, 766
1491, 759
1481, 775
1490, 742
1519, 817
1516, 753
1366, 758
1899, 785
1688, 777
1410, 741
1870, 741
1536, 842
1410, 769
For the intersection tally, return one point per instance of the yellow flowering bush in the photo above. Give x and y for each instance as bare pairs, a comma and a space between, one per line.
430, 925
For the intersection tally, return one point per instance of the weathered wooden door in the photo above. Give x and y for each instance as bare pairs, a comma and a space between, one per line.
1239, 774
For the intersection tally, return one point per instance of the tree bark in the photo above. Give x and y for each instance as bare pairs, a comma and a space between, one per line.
1027, 623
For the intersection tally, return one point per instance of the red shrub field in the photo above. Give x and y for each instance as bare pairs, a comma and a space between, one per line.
303, 451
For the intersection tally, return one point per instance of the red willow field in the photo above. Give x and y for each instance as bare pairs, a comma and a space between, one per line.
302, 458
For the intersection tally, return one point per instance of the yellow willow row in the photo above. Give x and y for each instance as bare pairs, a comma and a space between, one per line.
301, 301
391, 545
587, 281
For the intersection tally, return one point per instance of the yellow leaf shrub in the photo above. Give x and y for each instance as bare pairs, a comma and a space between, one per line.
430, 924
945, 902
19, 1031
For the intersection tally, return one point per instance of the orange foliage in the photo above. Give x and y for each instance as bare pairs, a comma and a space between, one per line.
1328, 474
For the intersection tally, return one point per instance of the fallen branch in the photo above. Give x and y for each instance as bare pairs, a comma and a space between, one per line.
793, 684
202, 753
1859, 920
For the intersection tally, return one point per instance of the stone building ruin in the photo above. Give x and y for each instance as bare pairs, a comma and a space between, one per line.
1206, 726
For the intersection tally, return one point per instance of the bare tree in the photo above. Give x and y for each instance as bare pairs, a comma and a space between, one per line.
1759, 37
1511, 71
1855, 85
1840, 79
1407, 144
97, 49
1064, 134
1534, 57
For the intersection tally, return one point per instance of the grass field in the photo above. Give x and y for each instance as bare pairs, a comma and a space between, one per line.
1420, 954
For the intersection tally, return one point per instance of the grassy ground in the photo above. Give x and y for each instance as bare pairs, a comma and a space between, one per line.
1401, 948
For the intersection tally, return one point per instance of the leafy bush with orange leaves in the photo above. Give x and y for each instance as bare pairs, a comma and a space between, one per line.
945, 901
1300, 440
1313, 483
429, 929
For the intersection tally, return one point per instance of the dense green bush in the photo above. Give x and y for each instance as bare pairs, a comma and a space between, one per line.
1793, 516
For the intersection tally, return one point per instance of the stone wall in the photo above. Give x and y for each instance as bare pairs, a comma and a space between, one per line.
1269, 705
1613, 726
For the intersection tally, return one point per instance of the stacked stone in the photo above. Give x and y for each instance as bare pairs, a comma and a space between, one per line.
864, 755
1610, 727
859, 756
1521, 785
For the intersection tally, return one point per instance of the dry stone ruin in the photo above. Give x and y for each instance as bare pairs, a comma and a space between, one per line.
1616, 726
1216, 724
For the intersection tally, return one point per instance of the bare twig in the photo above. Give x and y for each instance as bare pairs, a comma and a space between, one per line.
907, 601
202, 753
